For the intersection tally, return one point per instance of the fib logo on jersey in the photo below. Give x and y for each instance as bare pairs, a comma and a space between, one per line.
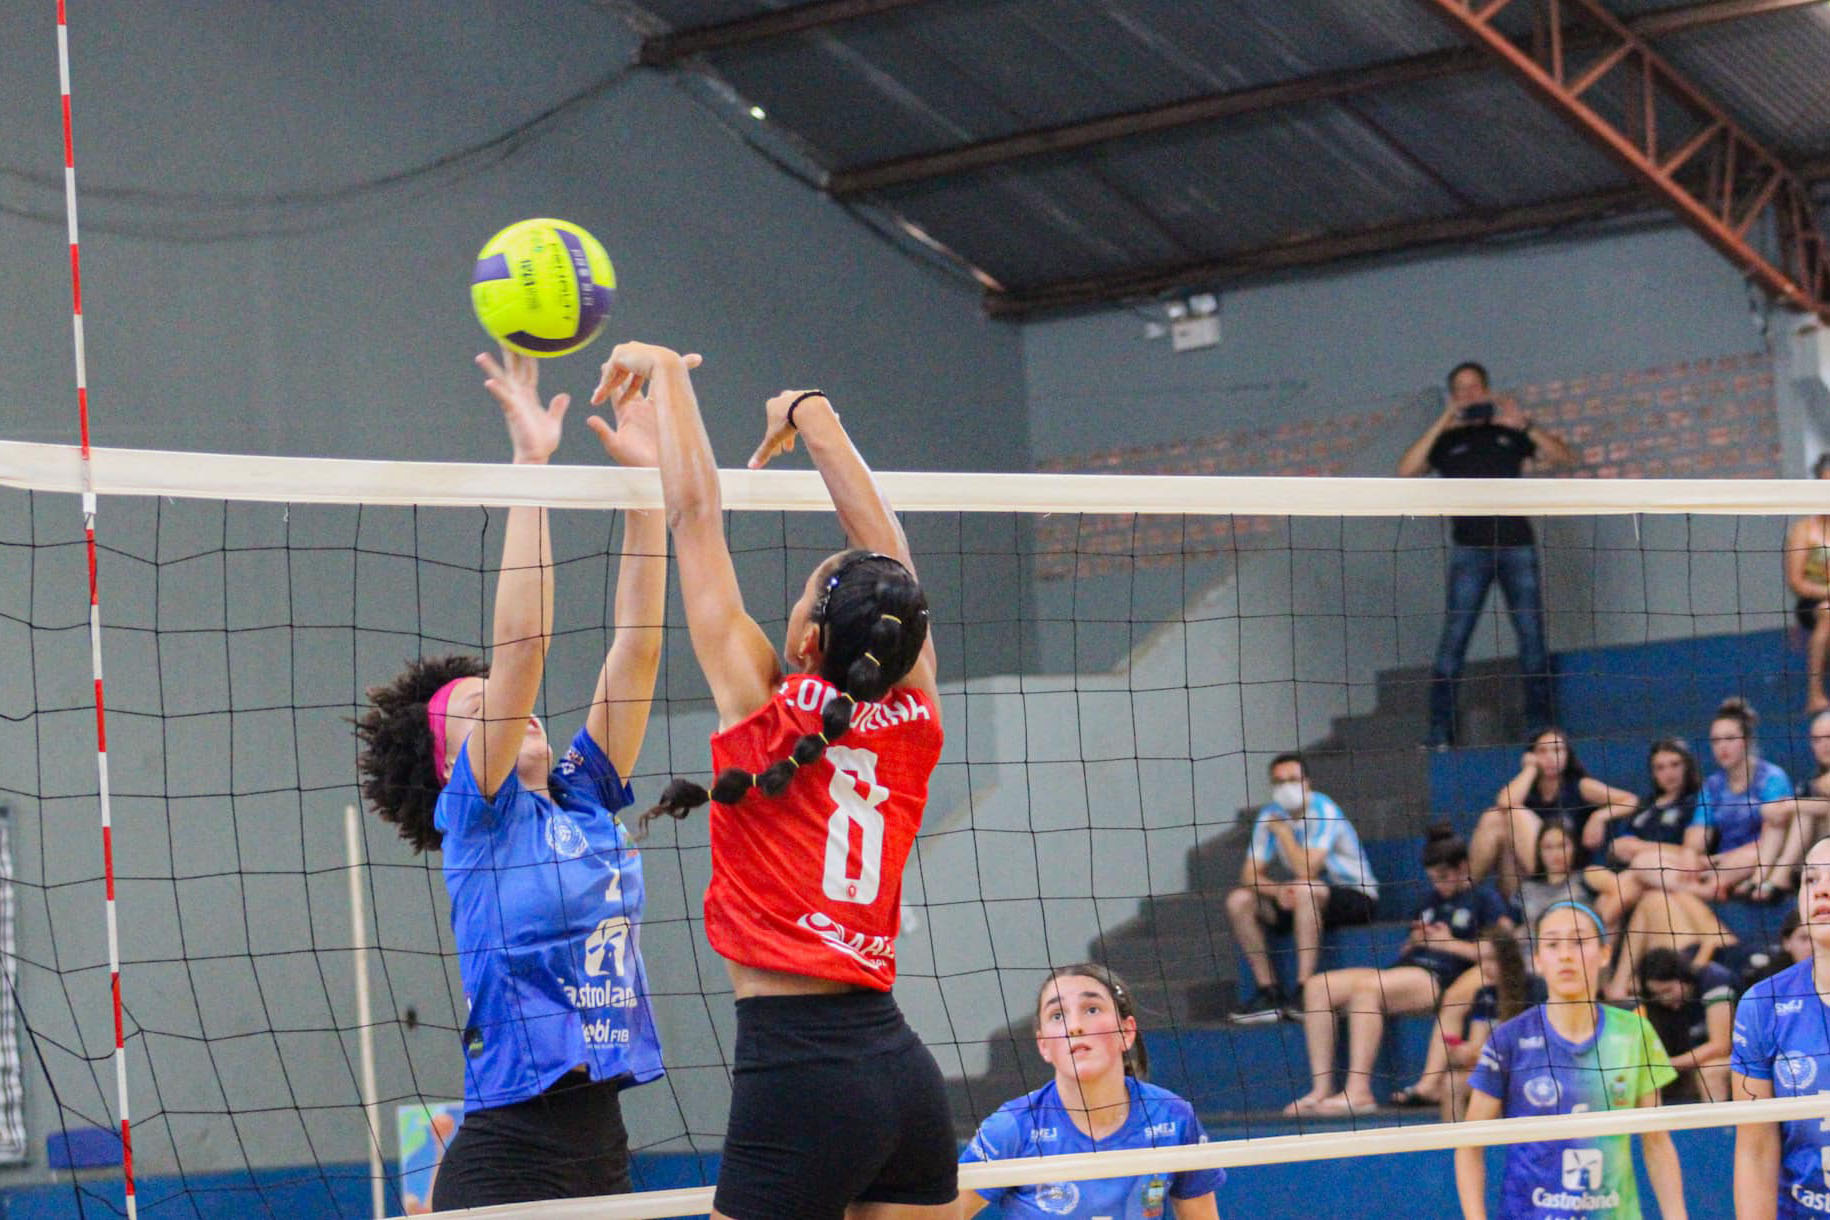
1543, 1091
1795, 1071
565, 838
1058, 1198
1582, 1169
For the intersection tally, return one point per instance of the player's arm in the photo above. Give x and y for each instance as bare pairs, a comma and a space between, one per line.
1662, 1166
1756, 1155
523, 621
737, 659
971, 1203
1471, 1163
864, 512
618, 718
1201, 1207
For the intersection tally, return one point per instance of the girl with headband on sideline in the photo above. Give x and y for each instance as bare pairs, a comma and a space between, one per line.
545, 882
1086, 1029
1569, 1055
822, 768
1781, 1048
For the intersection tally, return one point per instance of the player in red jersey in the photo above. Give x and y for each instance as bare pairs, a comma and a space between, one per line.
837, 1109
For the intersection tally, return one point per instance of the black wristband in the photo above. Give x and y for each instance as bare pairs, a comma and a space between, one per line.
801, 398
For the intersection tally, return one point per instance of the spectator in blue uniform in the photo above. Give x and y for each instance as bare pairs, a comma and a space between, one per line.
1443, 945
1745, 808
1086, 1029
545, 883
1782, 1049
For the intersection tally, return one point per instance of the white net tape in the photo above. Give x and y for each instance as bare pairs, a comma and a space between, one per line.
148, 472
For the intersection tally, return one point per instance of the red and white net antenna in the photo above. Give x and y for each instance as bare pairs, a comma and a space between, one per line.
95, 604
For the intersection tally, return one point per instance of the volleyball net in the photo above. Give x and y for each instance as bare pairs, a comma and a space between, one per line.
1122, 658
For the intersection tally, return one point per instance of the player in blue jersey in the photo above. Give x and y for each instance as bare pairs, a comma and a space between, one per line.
1567, 1056
1086, 1030
1781, 1048
545, 883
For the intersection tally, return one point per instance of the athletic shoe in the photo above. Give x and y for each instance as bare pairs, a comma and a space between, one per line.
1267, 1005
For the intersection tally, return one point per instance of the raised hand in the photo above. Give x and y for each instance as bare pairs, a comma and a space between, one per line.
514, 382
778, 433
633, 440
630, 366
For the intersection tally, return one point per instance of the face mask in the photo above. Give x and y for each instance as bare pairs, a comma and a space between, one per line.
1289, 797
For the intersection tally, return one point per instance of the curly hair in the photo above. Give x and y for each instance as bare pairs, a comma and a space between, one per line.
873, 621
395, 762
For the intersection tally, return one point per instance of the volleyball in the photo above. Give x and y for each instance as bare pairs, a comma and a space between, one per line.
542, 287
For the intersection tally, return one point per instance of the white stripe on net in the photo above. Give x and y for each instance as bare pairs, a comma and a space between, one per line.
1232, 1154
220, 476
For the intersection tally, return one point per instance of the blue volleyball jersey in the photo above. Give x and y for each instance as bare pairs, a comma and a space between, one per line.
1782, 1034
1532, 1069
1037, 1124
1735, 816
1466, 915
546, 906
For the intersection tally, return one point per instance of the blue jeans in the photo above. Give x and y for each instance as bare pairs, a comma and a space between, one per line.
1472, 571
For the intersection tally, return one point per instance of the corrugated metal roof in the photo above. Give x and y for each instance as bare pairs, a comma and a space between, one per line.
1460, 140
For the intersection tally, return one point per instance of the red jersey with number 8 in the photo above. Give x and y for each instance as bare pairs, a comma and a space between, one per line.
810, 882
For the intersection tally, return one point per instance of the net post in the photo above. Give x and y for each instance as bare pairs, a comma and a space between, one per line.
365, 1029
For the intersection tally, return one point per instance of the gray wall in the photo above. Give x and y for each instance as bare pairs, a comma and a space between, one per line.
238, 298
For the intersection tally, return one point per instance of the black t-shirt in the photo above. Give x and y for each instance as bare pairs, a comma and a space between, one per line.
1687, 1026
1484, 451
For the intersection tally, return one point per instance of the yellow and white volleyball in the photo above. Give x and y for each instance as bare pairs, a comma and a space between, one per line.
543, 287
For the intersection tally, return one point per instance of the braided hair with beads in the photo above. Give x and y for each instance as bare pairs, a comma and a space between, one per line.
873, 621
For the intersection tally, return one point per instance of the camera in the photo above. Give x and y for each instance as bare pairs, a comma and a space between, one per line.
1477, 413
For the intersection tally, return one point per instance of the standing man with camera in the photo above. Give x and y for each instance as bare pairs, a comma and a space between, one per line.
1477, 438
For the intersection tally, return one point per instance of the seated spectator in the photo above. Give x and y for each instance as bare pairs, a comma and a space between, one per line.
1305, 839
1551, 786
1807, 569
1675, 921
1441, 947
1813, 803
1560, 880
1499, 988
1747, 807
1692, 1008
1646, 845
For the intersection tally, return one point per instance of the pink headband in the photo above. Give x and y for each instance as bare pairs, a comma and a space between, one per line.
435, 720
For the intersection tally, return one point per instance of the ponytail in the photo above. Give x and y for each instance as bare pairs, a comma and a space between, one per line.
873, 620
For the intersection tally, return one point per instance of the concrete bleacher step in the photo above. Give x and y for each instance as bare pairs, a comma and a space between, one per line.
1260, 1068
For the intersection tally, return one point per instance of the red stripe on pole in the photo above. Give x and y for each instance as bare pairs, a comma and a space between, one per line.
101, 721
76, 278
108, 878
118, 1041
127, 1154
69, 140
60, 13
82, 420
